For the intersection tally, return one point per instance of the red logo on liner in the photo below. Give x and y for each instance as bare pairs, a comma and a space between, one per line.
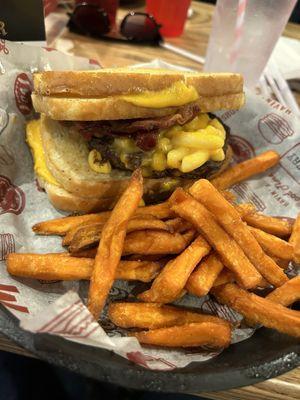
7, 245
274, 128
12, 198
3, 47
242, 149
22, 90
9, 300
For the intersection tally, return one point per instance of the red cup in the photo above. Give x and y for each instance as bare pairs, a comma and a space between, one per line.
170, 14
109, 6
49, 6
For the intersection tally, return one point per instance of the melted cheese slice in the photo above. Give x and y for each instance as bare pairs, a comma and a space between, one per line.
34, 140
178, 94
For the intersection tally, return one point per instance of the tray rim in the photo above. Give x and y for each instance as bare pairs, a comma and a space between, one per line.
59, 352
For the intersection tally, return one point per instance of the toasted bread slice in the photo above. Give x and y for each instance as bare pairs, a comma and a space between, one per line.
115, 81
112, 108
66, 201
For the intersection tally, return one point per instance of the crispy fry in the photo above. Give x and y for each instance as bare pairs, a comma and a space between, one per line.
85, 237
286, 294
189, 335
148, 243
294, 239
246, 169
280, 262
154, 316
230, 253
178, 225
154, 242
230, 219
259, 310
245, 209
202, 279
60, 226
89, 235
143, 271
229, 196
274, 226
225, 276
88, 253
170, 283
55, 267
273, 245
67, 239
111, 245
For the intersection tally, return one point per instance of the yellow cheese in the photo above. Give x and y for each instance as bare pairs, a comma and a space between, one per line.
176, 95
34, 139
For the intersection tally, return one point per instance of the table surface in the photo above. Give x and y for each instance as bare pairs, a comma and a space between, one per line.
109, 54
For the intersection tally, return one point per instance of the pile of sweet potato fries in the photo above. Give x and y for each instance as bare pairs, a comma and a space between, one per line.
199, 241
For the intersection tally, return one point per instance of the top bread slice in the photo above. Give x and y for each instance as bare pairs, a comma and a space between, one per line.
96, 95
116, 81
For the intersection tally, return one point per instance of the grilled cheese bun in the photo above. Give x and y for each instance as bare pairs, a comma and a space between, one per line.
111, 94
97, 127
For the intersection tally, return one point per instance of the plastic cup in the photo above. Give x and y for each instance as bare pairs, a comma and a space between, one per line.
244, 34
170, 14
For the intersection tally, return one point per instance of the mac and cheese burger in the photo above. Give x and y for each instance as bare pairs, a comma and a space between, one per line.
96, 127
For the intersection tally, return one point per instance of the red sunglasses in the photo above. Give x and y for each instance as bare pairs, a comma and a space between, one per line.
91, 20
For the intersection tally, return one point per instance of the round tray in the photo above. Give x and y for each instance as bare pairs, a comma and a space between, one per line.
265, 355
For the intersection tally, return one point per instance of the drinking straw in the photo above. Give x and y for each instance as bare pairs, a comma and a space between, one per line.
238, 32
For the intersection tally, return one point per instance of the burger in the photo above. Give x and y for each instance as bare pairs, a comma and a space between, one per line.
96, 127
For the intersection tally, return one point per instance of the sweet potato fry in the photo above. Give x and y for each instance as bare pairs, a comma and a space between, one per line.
245, 209
178, 225
68, 237
60, 226
229, 196
273, 245
246, 169
294, 239
89, 236
55, 267
154, 242
275, 226
280, 262
143, 271
225, 276
230, 219
202, 279
259, 310
286, 294
230, 253
88, 253
148, 243
111, 245
189, 335
154, 316
170, 283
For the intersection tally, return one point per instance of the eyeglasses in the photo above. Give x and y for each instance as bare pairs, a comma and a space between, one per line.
91, 20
